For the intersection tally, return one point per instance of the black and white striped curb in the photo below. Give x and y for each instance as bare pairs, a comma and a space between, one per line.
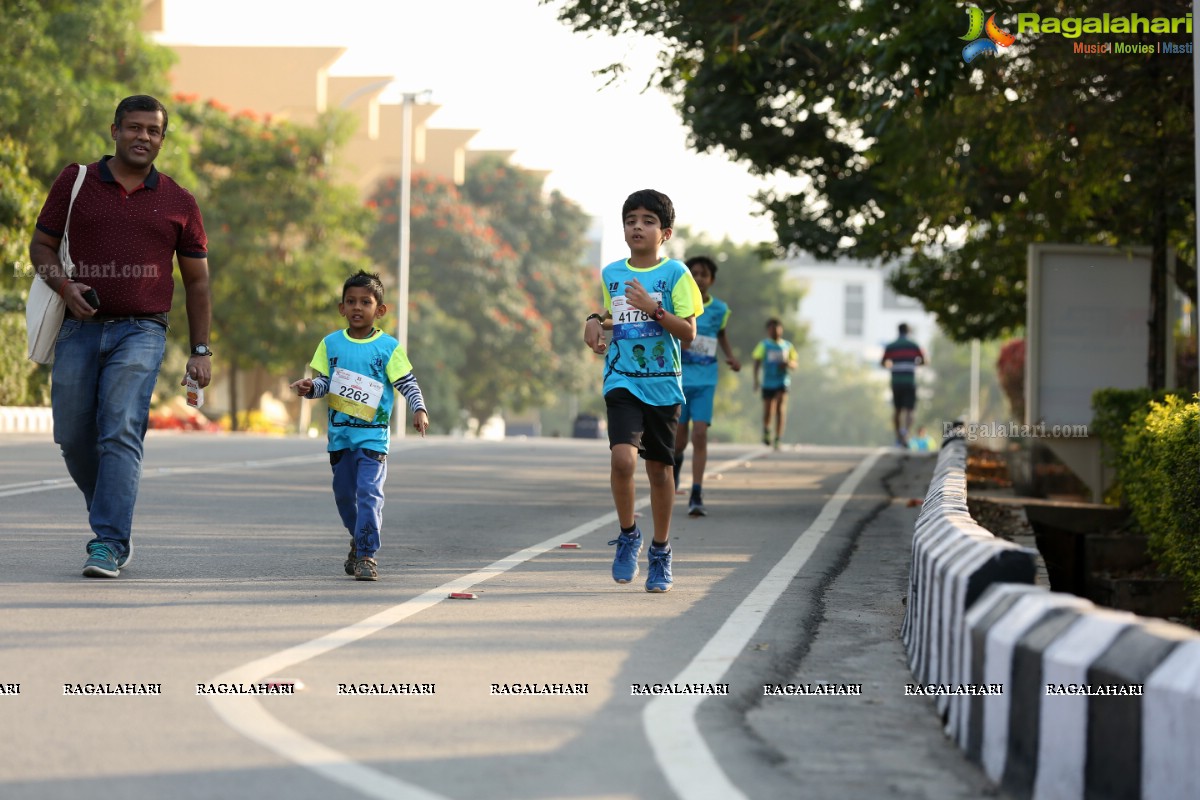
1065, 700
954, 561
1095, 703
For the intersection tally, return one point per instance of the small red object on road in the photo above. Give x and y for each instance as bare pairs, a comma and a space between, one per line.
569, 546
463, 596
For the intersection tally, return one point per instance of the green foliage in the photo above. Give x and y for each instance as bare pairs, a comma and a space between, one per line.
1160, 474
22, 382
547, 235
839, 402
950, 365
282, 237
64, 66
20, 196
756, 288
872, 107
1114, 410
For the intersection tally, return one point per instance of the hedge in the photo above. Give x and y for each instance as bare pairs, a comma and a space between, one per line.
1158, 467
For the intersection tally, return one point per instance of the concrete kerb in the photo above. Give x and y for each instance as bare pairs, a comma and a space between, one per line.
1091, 702
26, 419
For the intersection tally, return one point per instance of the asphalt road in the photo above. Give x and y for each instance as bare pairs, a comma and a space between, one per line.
795, 579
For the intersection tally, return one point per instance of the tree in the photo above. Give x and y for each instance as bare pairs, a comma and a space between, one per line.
460, 262
756, 289
64, 66
903, 150
282, 237
497, 283
547, 234
58, 90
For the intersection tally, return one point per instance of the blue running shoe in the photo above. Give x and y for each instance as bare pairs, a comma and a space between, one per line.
625, 563
659, 579
124, 560
101, 562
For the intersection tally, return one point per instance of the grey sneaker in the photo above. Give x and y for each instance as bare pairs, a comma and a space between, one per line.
696, 506
351, 559
101, 562
366, 570
124, 560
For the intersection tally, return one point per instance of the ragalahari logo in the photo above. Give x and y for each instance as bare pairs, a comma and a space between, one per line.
978, 43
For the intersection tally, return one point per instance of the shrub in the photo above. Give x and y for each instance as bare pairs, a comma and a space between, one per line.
22, 382
1159, 470
1114, 411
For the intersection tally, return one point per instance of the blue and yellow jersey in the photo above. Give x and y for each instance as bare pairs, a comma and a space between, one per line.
643, 357
700, 358
775, 357
361, 398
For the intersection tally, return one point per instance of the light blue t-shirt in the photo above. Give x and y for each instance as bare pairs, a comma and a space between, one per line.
361, 398
700, 359
643, 357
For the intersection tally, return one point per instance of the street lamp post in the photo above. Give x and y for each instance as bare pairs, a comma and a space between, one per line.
406, 130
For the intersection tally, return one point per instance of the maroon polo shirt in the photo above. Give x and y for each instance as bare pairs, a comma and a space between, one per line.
124, 243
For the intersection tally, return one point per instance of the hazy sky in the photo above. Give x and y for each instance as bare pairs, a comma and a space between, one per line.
509, 69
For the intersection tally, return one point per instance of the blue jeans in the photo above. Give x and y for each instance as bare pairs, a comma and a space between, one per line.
101, 382
358, 478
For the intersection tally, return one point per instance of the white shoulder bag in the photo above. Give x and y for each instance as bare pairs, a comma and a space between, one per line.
45, 307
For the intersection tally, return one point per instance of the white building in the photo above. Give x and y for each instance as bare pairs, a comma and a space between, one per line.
850, 310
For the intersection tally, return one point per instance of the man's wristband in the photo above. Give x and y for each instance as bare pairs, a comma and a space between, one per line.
598, 317
62, 287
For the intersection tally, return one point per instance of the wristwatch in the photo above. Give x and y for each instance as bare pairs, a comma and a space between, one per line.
598, 317
659, 312
201, 350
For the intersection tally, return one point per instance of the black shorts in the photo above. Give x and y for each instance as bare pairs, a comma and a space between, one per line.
904, 396
771, 394
651, 429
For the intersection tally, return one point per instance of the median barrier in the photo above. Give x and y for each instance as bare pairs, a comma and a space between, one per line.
26, 419
1055, 697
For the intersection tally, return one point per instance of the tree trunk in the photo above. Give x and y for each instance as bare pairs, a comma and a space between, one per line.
1159, 303
233, 397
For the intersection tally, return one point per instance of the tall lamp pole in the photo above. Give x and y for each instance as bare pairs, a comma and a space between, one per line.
406, 131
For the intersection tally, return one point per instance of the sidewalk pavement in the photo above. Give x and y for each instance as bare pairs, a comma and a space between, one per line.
883, 744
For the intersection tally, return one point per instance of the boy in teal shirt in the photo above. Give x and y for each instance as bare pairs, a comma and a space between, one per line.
357, 369
650, 303
700, 379
775, 357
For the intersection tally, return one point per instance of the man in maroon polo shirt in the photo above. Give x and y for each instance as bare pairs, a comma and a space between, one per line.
127, 225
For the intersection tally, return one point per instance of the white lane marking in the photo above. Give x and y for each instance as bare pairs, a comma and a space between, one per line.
670, 722
245, 715
30, 487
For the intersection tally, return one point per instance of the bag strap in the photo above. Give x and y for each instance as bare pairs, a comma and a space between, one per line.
69, 264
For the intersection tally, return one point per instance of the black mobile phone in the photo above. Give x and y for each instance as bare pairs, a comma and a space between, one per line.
91, 298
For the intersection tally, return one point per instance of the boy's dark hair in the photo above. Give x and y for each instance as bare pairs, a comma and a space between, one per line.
705, 262
366, 280
773, 321
904, 329
139, 102
652, 201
